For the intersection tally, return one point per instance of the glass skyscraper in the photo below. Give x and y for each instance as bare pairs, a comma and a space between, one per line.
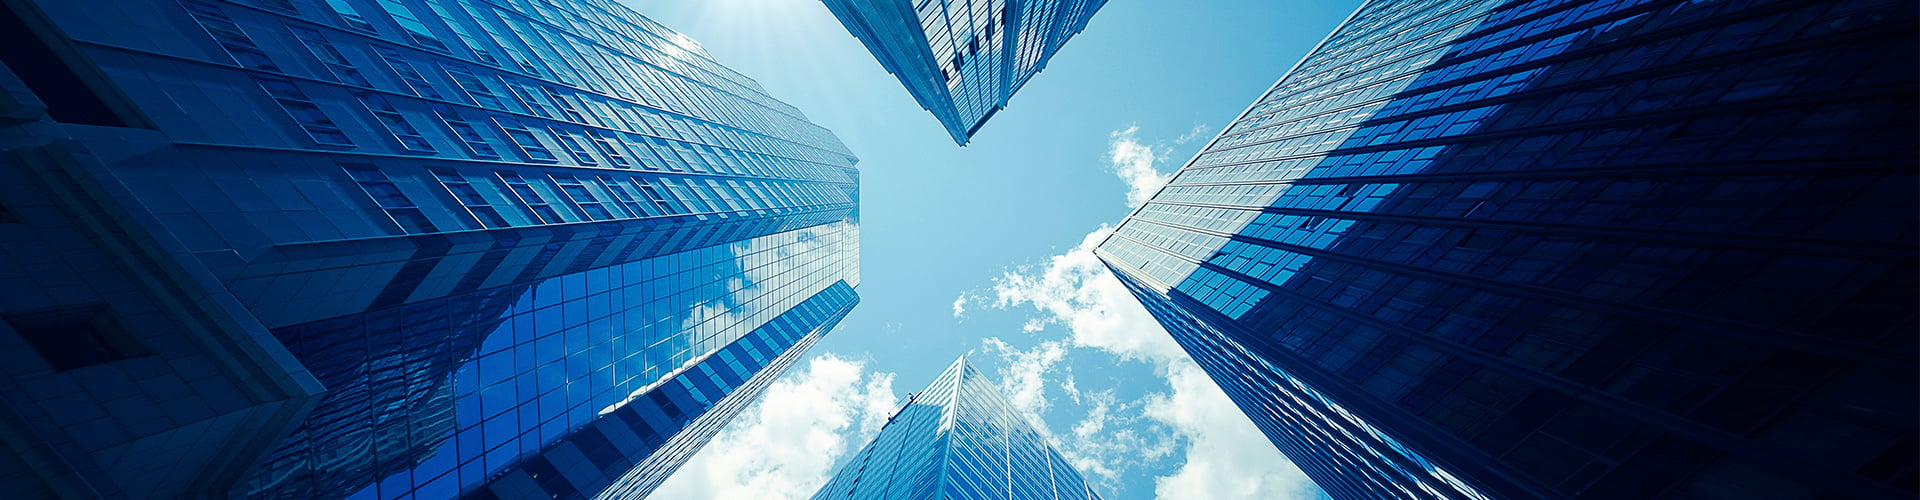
957, 440
393, 248
1564, 248
963, 59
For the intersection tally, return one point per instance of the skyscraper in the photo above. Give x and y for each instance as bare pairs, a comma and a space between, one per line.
1564, 248
393, 248
958, 440
963, 59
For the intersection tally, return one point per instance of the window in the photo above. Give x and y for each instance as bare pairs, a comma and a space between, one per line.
405, 70
665, 201
350, 16
525, 139
464, 130
303, 110
582, 197
388, 196
505, 45
395, 123
530, 198
229, 35
479, 51
329, 56
686, 196
725, 195
76, 336
572, 143
609, 147
470, 197
529, 99
624, 194
418, 31
476, 89
566, 106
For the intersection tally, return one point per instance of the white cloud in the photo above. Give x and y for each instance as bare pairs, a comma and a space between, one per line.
1133, 162
1222, 454
1023, 379
785, 446
960, 305
1075, 290
1199, 130
1227, 457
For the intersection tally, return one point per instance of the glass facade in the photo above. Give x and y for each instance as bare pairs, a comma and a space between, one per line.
959, 440
963, 59
1564, 248
395, 248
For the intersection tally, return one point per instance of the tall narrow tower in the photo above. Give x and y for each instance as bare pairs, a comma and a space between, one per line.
393, 248
964, 59
1564, 248
959, 440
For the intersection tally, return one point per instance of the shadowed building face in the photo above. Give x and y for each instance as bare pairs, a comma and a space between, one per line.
1560, 248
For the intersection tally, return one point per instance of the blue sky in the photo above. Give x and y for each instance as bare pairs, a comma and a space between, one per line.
983, 249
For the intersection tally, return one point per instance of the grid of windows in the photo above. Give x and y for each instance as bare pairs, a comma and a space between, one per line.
494, 379
962, 72
1552, 247
402, 278
958, 439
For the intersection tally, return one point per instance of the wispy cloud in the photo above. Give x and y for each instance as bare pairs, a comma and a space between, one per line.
1199, 131
1134, 162
1113, 438
1222, 454
785, 446
960, 305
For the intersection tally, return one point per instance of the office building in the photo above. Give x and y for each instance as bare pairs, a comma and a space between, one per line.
1564, 248
393, 248
959, 440
963, 59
